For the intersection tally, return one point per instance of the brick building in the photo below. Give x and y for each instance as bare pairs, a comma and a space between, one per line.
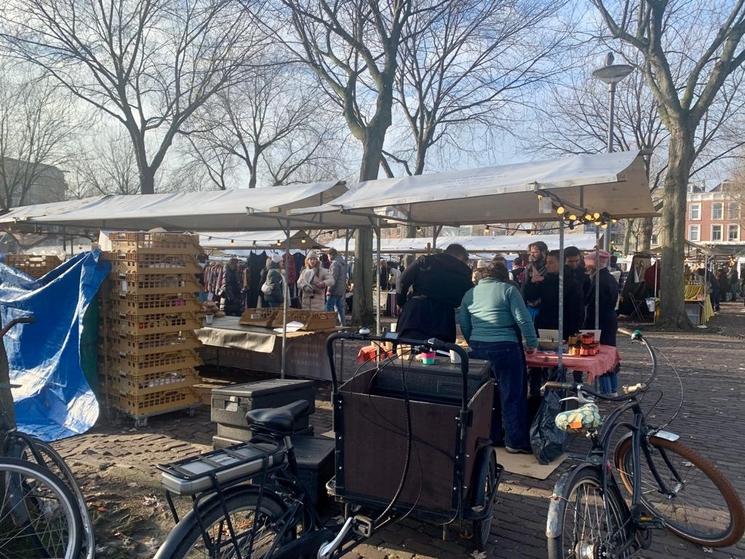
715, 216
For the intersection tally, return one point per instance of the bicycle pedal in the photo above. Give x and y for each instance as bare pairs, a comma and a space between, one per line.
362, 526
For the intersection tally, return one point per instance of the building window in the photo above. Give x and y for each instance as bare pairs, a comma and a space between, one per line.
733, 232
694, 233
695, 211
733, 210
717, 210
716, 232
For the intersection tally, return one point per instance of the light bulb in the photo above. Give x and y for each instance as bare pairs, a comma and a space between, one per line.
588, 217
487, 228
560, 210
302, 241
596, 215
614, 221
572, 217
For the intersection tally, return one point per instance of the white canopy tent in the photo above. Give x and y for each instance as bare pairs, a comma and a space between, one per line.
271, 239
613, 183
211, 211
478, 244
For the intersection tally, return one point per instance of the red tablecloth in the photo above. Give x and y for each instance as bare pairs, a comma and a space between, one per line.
593, 366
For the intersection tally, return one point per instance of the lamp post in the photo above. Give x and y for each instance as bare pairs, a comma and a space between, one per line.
611, 74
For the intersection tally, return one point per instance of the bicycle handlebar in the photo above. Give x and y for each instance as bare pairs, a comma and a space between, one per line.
630, 392
29, 319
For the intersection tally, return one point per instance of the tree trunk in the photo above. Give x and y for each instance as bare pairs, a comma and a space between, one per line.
6, 396
147, 181
363, 313
680, 159
647, 230
627, 236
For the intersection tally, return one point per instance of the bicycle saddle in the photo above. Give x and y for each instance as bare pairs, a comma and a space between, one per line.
278, 420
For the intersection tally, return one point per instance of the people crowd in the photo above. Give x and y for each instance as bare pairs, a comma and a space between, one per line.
501, 312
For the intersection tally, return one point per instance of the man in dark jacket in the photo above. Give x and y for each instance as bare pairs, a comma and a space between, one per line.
438, 282
546, 289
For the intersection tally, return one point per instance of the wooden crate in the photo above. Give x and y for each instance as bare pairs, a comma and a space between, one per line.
155, 403
312, 320
156, 243
141, 385
153, 284
153, 363
142, 305
148, 344
162, 323
35, 265
259, 317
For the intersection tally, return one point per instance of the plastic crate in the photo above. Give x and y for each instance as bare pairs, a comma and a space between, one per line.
139, 305
152, 363
163, 243
152, 323
148, 344
140, 385
155, 403
153, 284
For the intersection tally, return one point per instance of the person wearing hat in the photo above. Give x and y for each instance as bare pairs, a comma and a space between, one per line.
272, 288
608, 321
313, 281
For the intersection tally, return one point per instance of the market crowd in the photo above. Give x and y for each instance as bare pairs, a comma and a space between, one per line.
500, 312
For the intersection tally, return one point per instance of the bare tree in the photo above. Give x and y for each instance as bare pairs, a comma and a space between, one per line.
272, 118
354, 46
105, 164
463, 69
149, 64
703, 39
35, 124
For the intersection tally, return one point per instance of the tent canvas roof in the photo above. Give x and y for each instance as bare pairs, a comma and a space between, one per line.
609, 182
221, 210
478, 244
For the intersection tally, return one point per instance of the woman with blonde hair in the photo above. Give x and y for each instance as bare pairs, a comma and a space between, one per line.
313, 281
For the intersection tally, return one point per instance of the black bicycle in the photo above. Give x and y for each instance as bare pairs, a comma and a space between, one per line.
248, 502
30, 498
667, 484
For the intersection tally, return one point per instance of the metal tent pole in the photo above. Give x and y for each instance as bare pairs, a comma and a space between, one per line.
286, 291
597, 277
560, 352
377, 282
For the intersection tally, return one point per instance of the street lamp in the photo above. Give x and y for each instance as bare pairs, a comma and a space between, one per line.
612, 74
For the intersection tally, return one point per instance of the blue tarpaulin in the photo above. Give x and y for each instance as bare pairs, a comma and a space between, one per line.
54, 400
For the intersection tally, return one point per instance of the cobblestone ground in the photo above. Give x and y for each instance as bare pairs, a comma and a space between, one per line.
115, 462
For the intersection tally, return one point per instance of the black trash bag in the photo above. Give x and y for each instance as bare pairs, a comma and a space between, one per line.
546, 439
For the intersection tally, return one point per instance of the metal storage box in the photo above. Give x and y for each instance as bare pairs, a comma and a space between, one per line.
231, 403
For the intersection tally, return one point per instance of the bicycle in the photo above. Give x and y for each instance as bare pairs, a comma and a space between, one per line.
248, 502
589, 518
15, 444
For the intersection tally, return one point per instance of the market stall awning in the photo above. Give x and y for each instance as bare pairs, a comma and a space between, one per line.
221, 210
299, 239
609, 182
477, 244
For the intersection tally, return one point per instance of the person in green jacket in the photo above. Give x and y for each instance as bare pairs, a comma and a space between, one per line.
492, 318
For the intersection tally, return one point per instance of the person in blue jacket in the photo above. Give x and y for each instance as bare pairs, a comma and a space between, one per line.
493, 318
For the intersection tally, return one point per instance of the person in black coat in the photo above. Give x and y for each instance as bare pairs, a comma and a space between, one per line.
546, 289
438, 283
608, 322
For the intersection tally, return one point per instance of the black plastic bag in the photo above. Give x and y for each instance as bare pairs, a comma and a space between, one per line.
546, 439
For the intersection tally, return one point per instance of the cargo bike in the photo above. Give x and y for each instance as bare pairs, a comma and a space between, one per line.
403, 447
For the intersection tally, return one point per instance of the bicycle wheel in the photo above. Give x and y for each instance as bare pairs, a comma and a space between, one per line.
585, 524
187, 540
38, 514
484, 496
25, 447
700, 506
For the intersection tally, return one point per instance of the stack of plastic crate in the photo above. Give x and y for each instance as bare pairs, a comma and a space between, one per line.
150, 311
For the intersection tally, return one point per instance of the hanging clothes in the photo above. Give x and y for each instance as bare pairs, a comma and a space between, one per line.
252, 278
233, 292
